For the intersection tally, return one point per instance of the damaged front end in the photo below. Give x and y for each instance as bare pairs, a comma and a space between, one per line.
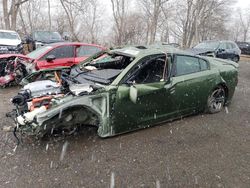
80, 96
38, 114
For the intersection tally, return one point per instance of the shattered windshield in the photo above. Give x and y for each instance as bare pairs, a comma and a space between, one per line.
208, 45
47, 36
104, 68
9, 35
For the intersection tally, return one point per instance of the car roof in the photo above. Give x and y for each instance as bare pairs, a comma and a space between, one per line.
135, 51
7, 31
218, 41
72, 43
45, 31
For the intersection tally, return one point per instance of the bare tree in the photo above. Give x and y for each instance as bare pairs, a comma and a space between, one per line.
49, 15
92, 24
165, 22
31, 17
134, 29
118, 8
10, 12
244, 23
200, 20
152, 10
69, 9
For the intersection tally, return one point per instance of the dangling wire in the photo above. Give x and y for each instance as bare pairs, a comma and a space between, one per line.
14, 133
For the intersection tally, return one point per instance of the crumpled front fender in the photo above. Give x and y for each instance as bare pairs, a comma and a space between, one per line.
72, 111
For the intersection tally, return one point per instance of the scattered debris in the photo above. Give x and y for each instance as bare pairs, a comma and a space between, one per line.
226, 109
158, 185
51, 164
64, 149
7, 128
112, 180
14, 150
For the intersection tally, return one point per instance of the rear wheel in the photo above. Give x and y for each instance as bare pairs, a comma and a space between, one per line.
216, 100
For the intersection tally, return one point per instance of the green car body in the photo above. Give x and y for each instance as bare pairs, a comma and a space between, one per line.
124, 106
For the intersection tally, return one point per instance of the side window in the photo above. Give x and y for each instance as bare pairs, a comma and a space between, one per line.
151, 71
233, 45
203, 65
87, 51
229, 46
223, 46
61, 52
186, 65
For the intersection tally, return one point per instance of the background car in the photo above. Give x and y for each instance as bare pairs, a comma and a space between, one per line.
10, 42
38, 39
219, 49
57, 55
244, 47
62, 54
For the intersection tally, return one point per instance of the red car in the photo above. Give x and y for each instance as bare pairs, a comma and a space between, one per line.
59, 54
50, 56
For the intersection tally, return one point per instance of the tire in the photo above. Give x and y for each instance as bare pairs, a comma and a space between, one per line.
216, 100
236, 59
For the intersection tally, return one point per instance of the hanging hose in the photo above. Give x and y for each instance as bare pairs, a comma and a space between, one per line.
57, 77
14, 133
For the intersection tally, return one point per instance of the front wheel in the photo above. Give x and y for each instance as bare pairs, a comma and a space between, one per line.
236, 59
216, 100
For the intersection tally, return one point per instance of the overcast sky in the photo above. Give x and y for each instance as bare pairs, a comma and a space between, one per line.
243, 3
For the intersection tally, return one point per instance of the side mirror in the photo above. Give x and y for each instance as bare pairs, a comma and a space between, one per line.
133, 94
221, 50
50, 58
130, 83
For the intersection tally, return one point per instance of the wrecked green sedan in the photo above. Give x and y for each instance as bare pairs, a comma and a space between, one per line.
127, 89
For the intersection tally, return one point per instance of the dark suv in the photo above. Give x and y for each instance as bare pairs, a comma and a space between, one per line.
219, 49
244, 47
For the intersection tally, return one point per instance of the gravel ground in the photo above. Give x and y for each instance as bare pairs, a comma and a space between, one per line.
197, 151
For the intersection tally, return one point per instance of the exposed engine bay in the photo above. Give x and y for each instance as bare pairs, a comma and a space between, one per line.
40, 96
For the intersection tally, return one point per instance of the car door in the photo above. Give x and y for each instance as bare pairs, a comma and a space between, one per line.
143, 98
222, 51
84, 51
191, 82
64, 56
231, 51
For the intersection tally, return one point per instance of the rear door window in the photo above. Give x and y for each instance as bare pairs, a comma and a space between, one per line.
188, 65
87, 51
229, 46
61, 52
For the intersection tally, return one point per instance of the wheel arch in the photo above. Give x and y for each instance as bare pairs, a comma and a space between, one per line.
225, 87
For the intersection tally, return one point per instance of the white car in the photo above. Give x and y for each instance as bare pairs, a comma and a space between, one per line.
10, 42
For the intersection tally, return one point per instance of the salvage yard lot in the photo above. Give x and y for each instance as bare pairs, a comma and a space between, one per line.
198, 151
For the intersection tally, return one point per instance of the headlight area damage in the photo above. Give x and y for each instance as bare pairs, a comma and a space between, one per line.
79, 98
57, 113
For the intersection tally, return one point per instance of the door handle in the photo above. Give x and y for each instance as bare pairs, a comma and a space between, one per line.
70, 62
